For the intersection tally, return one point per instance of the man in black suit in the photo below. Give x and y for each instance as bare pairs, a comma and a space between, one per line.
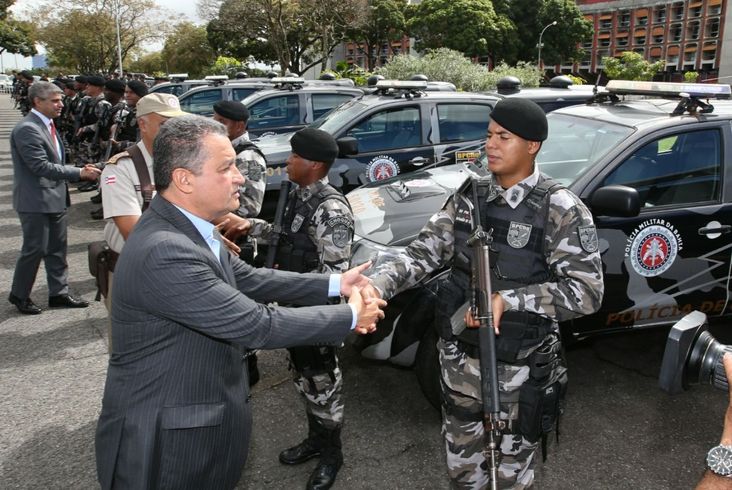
175, 412
40, 197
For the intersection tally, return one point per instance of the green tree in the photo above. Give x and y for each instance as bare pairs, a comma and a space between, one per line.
631, 66
469, 26
16, 36
385, 22
148, 63
187, 50
564, 40
80, 35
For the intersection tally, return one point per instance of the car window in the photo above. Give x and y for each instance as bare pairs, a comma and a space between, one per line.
386, 130
340, 116
676, 170
462, 122
576, 144
165, 90
239, 94
283, 110
323, 103
202, 102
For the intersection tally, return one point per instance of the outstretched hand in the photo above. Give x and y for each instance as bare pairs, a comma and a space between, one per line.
368, 311
354, 277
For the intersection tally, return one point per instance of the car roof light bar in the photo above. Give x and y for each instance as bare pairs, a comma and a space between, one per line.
293, 80
669, 89
401, 85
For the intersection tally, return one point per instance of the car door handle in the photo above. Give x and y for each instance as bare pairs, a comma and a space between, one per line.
708, 230
418, 161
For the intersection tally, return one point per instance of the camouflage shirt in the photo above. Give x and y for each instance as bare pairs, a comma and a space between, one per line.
100, 106
331, 229
253, 167
576, 286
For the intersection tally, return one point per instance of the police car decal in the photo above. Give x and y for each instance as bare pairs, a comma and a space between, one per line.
382, 167
653, 247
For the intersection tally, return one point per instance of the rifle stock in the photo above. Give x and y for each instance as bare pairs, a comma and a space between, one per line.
277, 224
482, 309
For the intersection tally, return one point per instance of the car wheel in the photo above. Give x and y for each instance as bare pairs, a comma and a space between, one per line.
427, 367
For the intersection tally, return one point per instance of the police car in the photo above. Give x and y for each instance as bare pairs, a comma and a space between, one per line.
200, 100
561, 92
401, 127
650, 159
291, 103
179, 84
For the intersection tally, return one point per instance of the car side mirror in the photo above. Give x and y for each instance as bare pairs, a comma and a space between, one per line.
347, 146
615, 200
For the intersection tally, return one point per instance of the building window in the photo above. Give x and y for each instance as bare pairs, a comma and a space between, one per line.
714, 9
639, 40
695, 11
606, 24
693, 29
622, 41
640, 51
677, 11
674, 33
624, 19
604, 43
659, 14
712, 29
642, 21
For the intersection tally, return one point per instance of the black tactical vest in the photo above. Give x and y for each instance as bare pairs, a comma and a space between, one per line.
517, 259
128, 129
296, 251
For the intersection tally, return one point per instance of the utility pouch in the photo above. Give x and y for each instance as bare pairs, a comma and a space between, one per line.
102, 260
540, 406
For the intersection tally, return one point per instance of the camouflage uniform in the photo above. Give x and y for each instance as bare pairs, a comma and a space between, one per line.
128, 132
573, 288
330, 229
253, 167
94, 118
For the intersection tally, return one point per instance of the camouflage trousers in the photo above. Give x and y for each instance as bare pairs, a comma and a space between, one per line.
462, 426
321, 393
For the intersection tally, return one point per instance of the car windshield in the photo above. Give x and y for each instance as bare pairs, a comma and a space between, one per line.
576, 144
338, 117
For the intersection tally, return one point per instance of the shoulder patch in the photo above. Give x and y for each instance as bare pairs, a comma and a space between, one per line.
114, 158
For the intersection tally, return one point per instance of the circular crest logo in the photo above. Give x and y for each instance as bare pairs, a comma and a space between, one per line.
653, 250
382, 167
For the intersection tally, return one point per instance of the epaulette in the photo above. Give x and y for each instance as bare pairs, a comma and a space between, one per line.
113, 159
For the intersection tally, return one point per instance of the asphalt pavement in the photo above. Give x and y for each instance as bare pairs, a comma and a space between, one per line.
619, 430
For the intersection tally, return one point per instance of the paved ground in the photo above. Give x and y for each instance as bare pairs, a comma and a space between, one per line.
619, 432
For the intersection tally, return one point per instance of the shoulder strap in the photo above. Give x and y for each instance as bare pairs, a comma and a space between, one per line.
146, 187
248, 145
539, 195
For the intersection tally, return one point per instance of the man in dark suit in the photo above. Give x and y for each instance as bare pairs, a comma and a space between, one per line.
175, 412
40, 197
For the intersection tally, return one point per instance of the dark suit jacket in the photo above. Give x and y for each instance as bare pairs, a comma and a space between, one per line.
175, 412
39, 173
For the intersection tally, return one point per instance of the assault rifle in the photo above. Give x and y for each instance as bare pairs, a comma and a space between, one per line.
482, 310
277, 225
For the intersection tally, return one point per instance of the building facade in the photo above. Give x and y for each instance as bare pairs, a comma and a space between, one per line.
687, 35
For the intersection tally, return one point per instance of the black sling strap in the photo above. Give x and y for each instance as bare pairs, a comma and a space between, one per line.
146, 187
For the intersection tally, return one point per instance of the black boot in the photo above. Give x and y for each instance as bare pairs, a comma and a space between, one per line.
253, 369
331, 460
307, 449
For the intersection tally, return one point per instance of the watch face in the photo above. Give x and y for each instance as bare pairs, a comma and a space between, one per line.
719, 460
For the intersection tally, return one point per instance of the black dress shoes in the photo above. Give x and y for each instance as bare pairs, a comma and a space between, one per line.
299, 454
324, 475
25, 306
66, 301
88, 186
97, 213
96, 198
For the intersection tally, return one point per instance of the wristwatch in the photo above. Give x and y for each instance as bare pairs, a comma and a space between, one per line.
719, 460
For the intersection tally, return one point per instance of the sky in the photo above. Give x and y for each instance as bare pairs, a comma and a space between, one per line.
9, 61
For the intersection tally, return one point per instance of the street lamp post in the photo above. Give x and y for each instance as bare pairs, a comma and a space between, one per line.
538, 61
119, 43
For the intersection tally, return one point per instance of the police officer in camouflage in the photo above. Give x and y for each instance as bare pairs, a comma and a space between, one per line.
545, 268
317, 233
93, 109
249, 158
126, 131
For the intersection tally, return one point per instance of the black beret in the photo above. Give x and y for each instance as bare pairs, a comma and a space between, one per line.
522, 117
26, 74
115, 85
315, 144
138, 87
231, 109
95, 80
82, 79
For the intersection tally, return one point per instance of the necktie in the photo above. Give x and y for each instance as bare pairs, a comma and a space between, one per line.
53, 136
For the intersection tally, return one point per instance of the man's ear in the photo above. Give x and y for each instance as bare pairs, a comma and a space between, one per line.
534, 147
182, 180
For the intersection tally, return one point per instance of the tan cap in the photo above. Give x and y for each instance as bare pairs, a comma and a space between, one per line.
165, 105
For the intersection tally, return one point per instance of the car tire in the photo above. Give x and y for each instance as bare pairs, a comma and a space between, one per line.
427, 368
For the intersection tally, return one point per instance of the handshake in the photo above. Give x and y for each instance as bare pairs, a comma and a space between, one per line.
364, 298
